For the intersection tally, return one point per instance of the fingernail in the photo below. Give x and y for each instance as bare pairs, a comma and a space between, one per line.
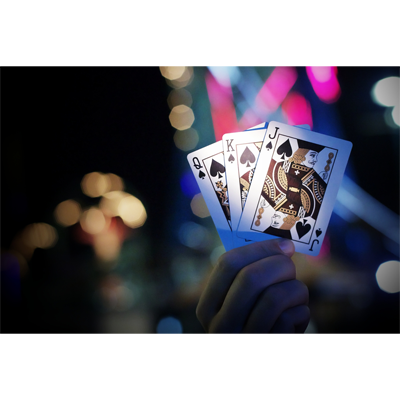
287, 247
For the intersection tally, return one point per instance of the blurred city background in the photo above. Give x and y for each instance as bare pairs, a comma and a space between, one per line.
103, 227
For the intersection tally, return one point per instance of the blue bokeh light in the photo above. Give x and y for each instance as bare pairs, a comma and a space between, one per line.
169, 325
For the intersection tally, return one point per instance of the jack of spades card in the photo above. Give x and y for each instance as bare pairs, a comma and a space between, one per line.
294, 187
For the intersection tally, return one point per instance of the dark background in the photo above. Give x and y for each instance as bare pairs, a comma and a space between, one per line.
58, 124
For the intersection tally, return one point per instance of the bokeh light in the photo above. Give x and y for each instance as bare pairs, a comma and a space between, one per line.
40, 235
95, 184
185, 271
93, 221
322, 74
396, 115
132, 211
216, 254
20, 246
182, 81
386, 91
324, 83
116, 182
68, 212
107, 245
186, 140
169, 325
199, 206
116, 294
179, 96
388, 276
172, 73
181, 117
389, 115
193, 235
109, 202
297, 110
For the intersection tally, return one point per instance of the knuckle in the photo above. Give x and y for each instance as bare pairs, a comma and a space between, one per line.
225, 263
199, 313
271, 246
249, 277
201, 316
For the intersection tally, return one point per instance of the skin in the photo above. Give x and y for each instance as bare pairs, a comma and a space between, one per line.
253, 289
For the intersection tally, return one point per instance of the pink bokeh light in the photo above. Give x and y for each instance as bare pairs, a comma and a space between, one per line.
297, 110
325, 83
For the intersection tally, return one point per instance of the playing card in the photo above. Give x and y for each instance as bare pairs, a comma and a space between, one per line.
294, 187
208, 167
264, 125
241, 150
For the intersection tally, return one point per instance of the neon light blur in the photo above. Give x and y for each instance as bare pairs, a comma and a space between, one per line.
297, 110
222, 108
270, 96
324, 83
276, 88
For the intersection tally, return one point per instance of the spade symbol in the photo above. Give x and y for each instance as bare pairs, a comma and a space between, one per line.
269, 146
231, 158
318, 232
216, 168
302, 229
248, 157
202, 174
285, 148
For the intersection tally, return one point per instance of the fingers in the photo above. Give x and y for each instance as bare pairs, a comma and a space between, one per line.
228, 267
293, 320
273, 302
247, 286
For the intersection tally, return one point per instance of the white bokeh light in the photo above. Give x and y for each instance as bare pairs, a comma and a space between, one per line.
386, 91
396, 115
388, 277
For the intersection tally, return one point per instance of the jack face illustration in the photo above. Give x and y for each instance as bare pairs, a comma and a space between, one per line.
311, 159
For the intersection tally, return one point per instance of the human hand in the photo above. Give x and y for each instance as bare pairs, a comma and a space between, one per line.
253, 289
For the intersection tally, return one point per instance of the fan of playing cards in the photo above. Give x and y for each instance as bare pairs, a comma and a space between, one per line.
272, 180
